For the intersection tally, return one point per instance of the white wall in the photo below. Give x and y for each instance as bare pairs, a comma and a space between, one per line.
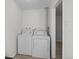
36, 18
52, 25
13, 24
68, 29
59, 28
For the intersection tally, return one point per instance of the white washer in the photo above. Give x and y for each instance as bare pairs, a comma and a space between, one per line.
41, 47
25, 44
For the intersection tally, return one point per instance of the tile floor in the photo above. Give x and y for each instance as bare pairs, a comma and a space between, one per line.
58, 53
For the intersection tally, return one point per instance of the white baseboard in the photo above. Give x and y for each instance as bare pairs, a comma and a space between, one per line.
11, 56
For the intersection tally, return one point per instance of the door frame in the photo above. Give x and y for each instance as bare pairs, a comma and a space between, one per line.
57, 3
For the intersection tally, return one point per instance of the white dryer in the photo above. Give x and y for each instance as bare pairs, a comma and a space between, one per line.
25, 43
41, 47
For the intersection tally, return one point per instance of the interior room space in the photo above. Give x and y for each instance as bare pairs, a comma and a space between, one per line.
35, 29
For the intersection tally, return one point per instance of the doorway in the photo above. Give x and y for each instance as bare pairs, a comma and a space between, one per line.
59, 31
